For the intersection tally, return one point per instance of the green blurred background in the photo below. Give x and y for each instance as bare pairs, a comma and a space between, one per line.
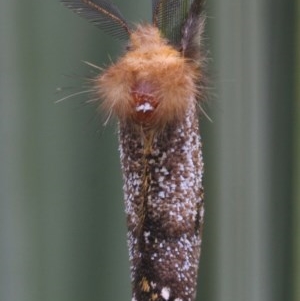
62, 226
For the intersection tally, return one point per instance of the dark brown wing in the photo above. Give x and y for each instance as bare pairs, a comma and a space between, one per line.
102, 14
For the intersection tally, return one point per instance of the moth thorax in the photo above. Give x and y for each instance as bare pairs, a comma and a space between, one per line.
145, 102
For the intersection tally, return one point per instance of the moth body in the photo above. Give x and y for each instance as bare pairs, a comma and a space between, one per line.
153, 90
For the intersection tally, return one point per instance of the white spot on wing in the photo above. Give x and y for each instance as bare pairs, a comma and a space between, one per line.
165, 293
146, 236
153, 285
161, 194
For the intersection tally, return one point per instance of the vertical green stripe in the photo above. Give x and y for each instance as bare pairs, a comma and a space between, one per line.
296, 216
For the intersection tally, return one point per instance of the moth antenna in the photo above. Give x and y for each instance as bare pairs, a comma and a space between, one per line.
169, 16
192, 31
103, 14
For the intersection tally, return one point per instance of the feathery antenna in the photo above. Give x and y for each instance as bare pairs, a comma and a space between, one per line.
169, 16
103, 14
192, 31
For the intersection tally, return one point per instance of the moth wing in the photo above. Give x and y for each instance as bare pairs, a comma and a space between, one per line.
103, 14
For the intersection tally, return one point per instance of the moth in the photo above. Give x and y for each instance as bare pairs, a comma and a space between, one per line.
154, 90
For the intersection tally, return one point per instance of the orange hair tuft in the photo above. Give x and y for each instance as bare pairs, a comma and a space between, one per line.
152, 84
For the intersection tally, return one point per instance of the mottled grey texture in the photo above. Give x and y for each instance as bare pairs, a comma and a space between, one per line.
164, 206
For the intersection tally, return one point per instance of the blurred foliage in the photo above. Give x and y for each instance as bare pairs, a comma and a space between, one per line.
62, 226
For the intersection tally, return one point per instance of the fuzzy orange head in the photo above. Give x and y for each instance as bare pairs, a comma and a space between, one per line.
152, 84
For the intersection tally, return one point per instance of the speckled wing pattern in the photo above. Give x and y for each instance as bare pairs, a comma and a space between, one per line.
164, 207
